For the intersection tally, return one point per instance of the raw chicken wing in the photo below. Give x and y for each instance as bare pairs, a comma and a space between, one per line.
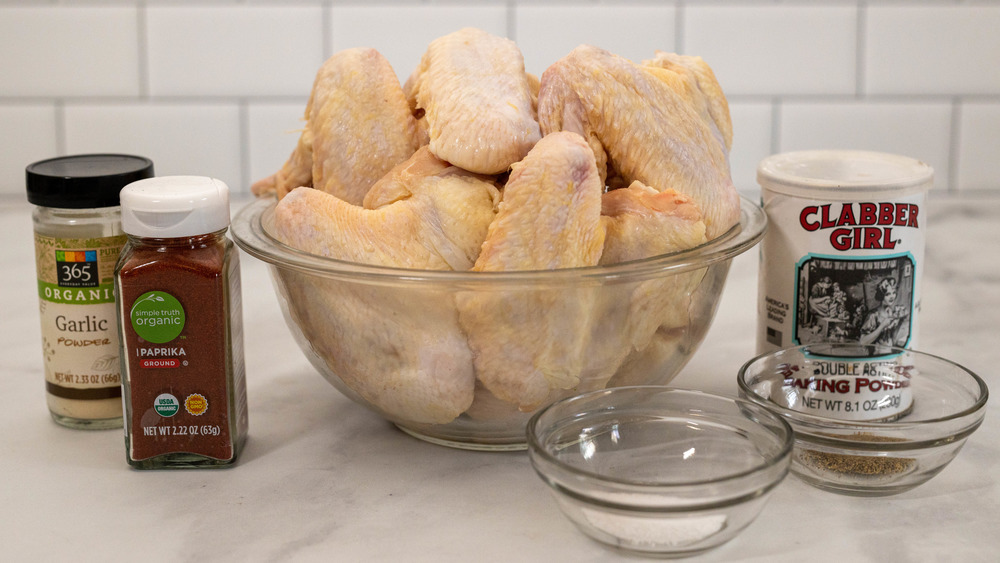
358, 126
400, 349
527, 342
644, 123
641, 223
706, 95
431, 222
476, 99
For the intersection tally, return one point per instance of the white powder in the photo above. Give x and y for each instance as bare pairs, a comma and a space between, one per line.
644, 531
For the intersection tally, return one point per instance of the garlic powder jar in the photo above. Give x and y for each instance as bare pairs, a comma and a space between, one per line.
78, 237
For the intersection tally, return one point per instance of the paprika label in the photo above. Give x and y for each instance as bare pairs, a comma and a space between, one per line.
177, 330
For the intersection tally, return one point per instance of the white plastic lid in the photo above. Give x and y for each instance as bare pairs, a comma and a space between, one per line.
843, 174
175, 206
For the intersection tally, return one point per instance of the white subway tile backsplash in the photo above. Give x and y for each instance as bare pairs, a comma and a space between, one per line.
751, 142
933, 49
776, 49
274, 130
918, 130
181, 139
218, 86
546, 33
979, 147
233, 51
69, 51
401, 33
28, 135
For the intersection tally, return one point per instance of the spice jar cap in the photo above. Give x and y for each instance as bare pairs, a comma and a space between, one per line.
175, 206
83, 181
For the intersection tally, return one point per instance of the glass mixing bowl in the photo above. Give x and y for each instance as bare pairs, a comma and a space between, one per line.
396, 340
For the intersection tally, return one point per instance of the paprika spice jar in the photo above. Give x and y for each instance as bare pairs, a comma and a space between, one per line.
177, 287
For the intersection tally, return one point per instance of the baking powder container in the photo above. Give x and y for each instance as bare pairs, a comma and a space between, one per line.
841, 262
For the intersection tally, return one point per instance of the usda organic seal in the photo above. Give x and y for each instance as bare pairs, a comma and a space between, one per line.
166, 405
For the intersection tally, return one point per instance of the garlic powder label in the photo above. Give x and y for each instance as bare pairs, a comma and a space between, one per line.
77, 313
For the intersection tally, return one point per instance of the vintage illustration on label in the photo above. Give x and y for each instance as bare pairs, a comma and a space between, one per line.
867, 301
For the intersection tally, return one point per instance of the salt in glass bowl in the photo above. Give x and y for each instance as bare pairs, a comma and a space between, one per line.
868, 421
657, 470
389, 338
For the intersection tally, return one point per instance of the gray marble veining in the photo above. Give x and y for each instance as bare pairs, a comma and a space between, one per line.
324, 479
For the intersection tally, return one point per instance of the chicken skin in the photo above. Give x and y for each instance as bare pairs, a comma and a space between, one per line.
358, 126
644, 123
527, 342
430, 216
401, 351
641, 223
707, 96
476, 99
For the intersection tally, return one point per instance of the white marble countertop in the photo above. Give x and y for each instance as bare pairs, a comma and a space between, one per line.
323, 479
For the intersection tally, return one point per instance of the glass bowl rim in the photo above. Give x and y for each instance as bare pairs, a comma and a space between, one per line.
780, 457
251, 234
818, 421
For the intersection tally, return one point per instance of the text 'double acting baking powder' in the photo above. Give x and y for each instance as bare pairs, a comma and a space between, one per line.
842, 261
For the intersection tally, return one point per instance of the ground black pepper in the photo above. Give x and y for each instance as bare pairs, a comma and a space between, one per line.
180, 321
850, 464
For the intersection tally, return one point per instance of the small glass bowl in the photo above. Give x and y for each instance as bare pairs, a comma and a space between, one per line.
868, 421
656, 470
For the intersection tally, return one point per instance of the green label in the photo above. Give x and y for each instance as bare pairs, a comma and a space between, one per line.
52, 293
157, 317
166, 405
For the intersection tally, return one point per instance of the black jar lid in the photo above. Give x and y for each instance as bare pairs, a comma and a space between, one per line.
85, 180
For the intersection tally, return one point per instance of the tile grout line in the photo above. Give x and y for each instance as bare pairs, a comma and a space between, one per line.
244, 124
954, 145
142, 38
679, 27
326, 20
511, 13
776, 124
60, 122
861, 45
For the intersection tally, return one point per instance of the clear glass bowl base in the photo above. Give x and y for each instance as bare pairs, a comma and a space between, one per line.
467, 444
